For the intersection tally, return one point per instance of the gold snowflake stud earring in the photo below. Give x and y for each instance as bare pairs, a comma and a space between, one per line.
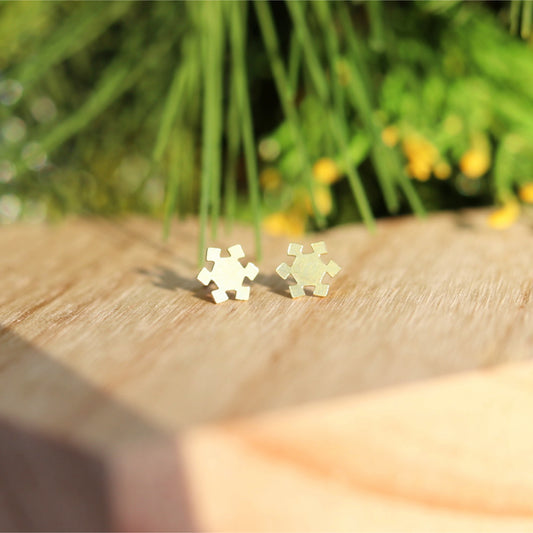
228, 274
308, 269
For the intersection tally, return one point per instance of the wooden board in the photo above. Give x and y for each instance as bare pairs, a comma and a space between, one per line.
453, 454
107, 340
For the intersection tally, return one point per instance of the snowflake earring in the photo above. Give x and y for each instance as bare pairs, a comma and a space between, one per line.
308, 269
228, 274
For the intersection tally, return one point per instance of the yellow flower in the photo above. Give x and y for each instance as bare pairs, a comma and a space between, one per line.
390, 136
442, 170
475, 162
416, 147
291, 223
419, 169
505, 216
526, 193
421, 155
270, 179
326, 171
323, 201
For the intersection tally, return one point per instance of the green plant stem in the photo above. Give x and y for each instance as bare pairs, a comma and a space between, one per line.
335, 122
238, 25
514, 16
213, 10
377, 28
323, 14
212, 40
295, 60
527, 17
358, 92
233, 133
286, 97
172, 191
316, 71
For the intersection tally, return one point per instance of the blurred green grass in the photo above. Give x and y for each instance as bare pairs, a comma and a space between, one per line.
288, 115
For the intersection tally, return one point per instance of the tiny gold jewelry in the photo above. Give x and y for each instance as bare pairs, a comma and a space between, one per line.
228, 274
308, 269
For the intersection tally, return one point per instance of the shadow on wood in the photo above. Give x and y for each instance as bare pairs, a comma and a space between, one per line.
167, 278
52, 483
274, 284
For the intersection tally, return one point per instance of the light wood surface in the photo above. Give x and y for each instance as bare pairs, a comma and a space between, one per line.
381, 407
451, 454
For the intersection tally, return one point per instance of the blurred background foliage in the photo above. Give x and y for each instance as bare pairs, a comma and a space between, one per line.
288, 115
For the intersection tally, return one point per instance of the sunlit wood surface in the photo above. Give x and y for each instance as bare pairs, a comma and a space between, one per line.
402, 401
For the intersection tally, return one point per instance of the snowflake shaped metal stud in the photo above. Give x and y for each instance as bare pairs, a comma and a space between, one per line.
308, 269
228, 274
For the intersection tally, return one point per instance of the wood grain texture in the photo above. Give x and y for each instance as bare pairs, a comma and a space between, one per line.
110, 347
452, 454
110, 304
